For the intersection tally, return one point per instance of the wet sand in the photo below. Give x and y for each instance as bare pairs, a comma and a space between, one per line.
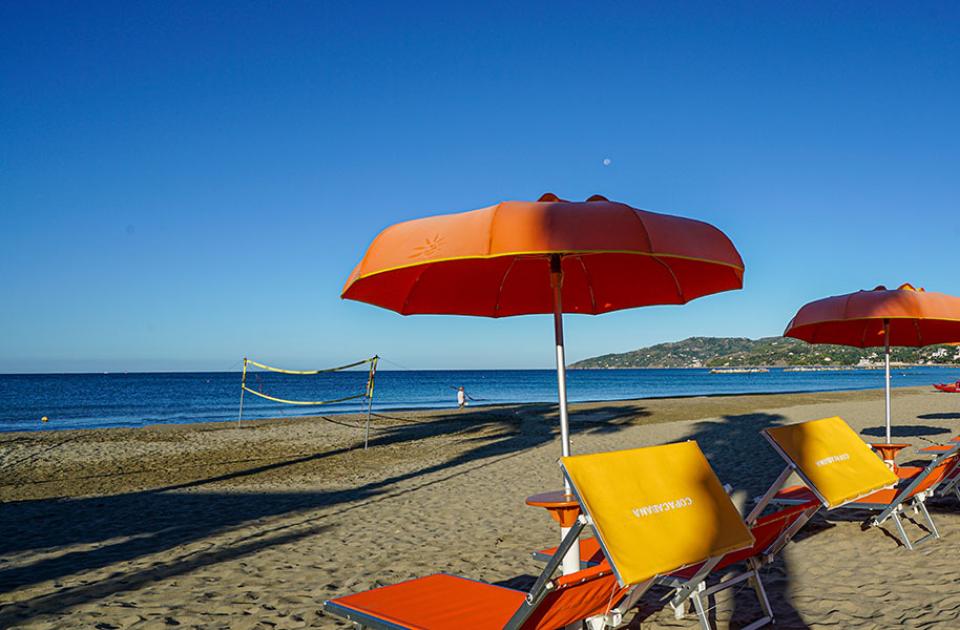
254, 526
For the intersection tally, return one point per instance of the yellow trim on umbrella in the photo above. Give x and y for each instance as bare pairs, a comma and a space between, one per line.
540, 253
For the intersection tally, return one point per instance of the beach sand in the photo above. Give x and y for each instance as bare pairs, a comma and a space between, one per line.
220, 526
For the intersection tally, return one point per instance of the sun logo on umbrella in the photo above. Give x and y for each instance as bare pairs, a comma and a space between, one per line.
430, 247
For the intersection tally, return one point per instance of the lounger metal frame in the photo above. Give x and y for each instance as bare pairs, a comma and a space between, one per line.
359, 619
699, 594
918, 502
950, 483
695, 588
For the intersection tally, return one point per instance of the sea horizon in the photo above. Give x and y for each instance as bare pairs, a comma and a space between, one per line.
135, 399
826, 367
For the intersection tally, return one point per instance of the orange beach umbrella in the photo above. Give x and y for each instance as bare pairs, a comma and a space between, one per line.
546, 256
880, 318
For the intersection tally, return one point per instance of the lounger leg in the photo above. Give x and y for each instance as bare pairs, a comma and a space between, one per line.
903, 533
926, 515
595, 623
701, 610
761, 597
696, 582
679, 610
614, 618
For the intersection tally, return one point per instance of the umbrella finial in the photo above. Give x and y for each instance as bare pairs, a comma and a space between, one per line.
906, 286
597, 198
879, 287
548, 196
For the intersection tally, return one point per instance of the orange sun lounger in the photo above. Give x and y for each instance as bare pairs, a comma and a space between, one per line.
670, 513
771, 533
829, 458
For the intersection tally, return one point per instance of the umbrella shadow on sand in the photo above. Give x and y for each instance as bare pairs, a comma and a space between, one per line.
940, 416
60, 537
901, 431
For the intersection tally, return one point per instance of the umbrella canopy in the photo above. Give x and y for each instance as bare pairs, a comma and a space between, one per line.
545, 256
906, 316
496, 261
914, 317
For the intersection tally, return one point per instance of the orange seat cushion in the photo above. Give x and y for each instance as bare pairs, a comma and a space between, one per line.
437, 602
797, 493
882, 497
908, 472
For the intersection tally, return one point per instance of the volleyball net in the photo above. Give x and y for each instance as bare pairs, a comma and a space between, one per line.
364, 396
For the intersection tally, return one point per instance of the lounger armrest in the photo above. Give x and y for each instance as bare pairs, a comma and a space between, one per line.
794, 495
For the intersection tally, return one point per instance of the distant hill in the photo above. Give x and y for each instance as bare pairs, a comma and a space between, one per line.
764, 352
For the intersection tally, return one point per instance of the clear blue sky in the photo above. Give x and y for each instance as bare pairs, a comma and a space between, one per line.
183, 184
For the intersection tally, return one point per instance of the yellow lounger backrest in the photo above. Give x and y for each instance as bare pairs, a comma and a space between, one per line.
656, 509
831, 457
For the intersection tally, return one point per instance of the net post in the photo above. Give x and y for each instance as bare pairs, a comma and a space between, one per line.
243, 389
373, 372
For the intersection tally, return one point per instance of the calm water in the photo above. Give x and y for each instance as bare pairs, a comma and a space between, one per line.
99, 400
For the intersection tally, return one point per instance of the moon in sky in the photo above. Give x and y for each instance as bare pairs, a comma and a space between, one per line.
607, 161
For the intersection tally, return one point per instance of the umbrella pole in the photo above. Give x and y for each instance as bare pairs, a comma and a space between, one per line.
556, 282
571, 561
886, 367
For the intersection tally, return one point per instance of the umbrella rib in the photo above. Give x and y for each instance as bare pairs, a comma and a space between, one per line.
493, 218
406, 300
653, 254
503, 281
676, 282
593, 299
643, 227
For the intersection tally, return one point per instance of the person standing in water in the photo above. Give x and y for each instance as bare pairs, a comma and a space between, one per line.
461, 397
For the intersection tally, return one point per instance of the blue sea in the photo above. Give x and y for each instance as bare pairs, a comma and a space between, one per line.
76, 401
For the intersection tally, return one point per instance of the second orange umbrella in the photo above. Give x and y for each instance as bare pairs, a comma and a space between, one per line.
880, 318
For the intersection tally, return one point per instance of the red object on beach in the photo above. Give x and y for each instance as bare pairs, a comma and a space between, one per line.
950, 388
905, 316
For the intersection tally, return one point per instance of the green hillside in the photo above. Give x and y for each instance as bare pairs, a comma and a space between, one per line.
767, 351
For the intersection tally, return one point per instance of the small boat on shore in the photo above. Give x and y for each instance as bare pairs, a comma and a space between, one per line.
950, 388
